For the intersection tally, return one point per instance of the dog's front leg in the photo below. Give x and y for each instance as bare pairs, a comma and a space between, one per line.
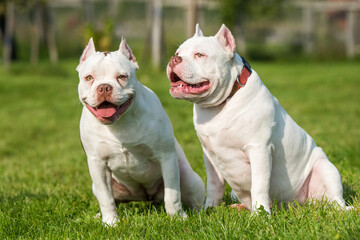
102, 189
171, 177
261, 164
215, 184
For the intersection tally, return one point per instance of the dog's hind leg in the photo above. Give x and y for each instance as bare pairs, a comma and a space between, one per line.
325, 181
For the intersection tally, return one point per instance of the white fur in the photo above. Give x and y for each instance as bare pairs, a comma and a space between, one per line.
248, 139
138, 149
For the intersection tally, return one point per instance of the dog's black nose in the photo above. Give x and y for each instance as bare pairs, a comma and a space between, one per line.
104, 89
175, 60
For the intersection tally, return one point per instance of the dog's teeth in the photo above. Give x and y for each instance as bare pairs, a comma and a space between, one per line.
181, 85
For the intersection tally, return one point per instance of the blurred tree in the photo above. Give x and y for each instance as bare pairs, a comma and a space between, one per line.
100, 29
235, 12
42, 24
43, 29
102, 34
7, 22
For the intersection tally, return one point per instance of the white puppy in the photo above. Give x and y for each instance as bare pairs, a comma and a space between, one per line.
128, 139
248, 139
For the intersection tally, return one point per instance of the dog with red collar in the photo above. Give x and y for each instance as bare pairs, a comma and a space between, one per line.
248, 139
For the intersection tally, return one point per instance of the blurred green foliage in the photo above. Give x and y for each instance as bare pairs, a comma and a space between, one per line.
252, 23
236, 11
103, 36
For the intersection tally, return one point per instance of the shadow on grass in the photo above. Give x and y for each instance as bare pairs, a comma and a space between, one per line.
23, 196
349, 194
143, 208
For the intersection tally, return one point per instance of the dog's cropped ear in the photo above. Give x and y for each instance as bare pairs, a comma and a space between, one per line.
198, 32
125, 49
226, 39
89, 49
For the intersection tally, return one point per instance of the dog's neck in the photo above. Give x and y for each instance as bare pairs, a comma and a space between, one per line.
242, 78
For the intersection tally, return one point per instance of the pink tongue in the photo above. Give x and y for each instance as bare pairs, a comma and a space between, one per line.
106, 109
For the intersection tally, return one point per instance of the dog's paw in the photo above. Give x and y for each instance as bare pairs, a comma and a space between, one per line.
239, 206
209, 206
111, 221
257, 210
98, 215
350, 208
209, 203
179, 214
182, 214
108, 221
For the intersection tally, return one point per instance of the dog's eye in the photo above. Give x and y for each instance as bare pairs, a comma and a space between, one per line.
199, 55
177, 54
122, 77
89, 78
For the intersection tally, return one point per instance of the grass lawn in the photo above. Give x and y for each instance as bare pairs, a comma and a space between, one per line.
45, 187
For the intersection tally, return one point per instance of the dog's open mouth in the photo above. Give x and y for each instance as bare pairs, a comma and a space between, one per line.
178, 86
108, 112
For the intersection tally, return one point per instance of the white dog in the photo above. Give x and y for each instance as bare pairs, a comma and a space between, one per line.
128, 139
248, 139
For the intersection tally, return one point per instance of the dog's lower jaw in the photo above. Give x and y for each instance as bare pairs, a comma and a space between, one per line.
120, 110
181, 93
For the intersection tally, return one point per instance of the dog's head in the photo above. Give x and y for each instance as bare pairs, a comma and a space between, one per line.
107, 86
203, 69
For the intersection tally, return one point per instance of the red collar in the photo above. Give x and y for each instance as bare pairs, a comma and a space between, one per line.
242, 78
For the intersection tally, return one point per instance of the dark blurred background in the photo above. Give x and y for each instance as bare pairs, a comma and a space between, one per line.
51, 30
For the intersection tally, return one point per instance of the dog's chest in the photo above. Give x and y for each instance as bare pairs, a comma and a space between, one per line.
133, 161
224, 149
223, 144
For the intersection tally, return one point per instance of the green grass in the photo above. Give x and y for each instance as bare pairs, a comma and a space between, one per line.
45, 187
